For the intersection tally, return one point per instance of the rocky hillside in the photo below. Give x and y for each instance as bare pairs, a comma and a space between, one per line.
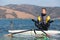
10, 13
26, 11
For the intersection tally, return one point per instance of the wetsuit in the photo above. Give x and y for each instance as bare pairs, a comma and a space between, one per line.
42, 25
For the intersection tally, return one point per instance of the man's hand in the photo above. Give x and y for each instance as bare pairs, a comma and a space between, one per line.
50, 21
33, 20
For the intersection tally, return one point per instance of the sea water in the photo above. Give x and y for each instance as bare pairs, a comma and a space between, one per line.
21, 24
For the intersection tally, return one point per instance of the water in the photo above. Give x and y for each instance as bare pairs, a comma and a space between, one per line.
17, 24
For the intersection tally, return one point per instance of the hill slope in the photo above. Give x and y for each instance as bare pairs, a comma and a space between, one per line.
10, 13
26, 11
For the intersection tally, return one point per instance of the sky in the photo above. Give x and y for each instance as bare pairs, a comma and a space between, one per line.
49, 3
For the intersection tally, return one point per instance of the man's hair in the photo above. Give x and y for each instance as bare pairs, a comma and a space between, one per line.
44, 8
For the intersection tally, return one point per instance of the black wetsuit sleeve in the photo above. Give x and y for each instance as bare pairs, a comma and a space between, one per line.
34, 20
50, 21
37, 24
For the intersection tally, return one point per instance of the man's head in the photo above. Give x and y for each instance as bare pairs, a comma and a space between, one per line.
44, 10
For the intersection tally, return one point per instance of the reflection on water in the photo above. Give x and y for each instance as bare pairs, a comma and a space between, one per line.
17, 38
26, 38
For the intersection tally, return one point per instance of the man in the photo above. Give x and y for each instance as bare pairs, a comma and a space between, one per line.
43, 21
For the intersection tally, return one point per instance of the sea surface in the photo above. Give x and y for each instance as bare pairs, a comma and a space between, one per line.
21, 24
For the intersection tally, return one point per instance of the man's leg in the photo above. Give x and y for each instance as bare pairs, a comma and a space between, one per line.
34, 31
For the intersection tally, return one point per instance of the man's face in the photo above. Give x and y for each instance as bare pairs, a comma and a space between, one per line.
44, 11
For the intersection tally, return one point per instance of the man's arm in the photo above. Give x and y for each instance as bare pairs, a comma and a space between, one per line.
50, 21
34, 20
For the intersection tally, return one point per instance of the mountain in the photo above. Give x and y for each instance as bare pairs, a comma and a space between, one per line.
26, 11
10, 13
